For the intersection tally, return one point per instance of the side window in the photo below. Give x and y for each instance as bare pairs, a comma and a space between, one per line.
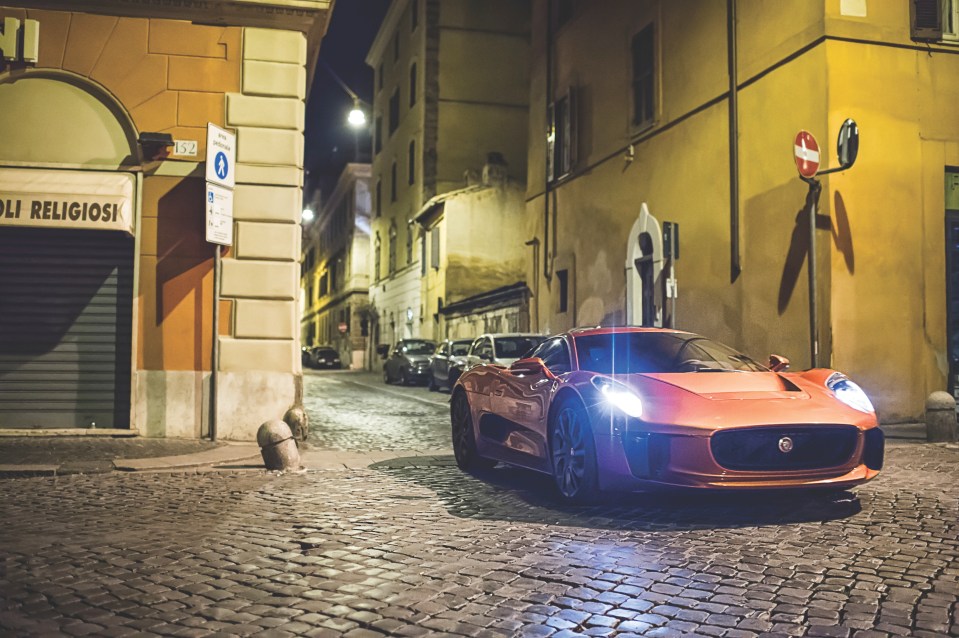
556, 356
486, 348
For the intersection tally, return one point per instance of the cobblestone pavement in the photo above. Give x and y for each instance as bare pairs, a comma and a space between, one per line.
412, 546
58, 450
357, 411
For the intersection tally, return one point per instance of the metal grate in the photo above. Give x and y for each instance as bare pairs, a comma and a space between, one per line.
789, 447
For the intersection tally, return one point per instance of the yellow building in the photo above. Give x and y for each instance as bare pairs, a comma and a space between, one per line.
451, 85
686, 112
336, 275
106, 301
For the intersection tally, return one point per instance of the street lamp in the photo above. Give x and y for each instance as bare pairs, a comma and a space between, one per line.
356, 118
307, 215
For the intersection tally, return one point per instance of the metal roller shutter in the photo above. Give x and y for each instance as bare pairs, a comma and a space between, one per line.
66, 299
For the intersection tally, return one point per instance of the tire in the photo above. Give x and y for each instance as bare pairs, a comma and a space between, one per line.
453, 378
572, 453
404, 379
386, 376
432, 384
464, 441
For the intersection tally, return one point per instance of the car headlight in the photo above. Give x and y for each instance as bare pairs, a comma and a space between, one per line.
619, 396
844, 389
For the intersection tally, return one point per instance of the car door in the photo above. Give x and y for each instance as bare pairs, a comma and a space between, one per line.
440, 361
393, 361
523, 400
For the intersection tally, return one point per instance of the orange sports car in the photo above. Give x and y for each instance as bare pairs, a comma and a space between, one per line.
639, 408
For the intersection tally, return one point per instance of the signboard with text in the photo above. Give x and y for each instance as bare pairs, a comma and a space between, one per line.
220, 156
219, 215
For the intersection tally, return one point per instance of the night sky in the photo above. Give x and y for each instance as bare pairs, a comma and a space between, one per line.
329, 140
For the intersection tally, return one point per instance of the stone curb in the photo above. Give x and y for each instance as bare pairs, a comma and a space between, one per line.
216, 456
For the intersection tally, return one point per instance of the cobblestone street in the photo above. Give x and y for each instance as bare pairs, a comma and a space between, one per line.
412, 546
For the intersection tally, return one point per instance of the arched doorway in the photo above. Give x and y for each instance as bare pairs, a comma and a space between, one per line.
644, 266
66, 253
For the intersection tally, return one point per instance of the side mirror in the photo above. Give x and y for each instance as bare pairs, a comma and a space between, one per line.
382, 350
778, 363
530, 366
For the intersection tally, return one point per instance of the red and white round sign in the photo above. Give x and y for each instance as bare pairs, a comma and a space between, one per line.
806, 150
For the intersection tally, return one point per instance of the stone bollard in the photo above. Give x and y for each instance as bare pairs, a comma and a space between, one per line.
298, 421
940, 417
277, 446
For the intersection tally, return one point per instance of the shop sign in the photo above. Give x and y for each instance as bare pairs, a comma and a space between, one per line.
66, 199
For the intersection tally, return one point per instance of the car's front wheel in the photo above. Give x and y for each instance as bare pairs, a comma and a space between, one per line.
464, 443
386, 375
432, 384
573, 453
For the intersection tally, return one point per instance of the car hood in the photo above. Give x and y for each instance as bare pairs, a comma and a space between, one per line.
718, 400
730, 385
417, 358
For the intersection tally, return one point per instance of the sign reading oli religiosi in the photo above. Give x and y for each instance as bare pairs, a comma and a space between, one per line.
66, 199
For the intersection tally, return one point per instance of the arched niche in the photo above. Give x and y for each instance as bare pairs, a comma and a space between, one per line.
54, 118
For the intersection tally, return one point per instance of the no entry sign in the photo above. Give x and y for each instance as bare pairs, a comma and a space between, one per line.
806, 150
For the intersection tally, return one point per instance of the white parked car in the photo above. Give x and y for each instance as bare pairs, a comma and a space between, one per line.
501, 348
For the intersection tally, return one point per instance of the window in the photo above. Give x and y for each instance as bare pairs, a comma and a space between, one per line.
643, 78
555, 356
378, 134
394, 110
561, 136
414, 14
324, 285
412, 84
392, 265
411, 163
423, 254
933, 20
333, 276
562, 278
393, 182
376, 258
435, 247
409, 243
379, 196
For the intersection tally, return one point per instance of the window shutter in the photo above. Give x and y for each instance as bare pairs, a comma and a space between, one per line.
926, 19
572, 124
435, 247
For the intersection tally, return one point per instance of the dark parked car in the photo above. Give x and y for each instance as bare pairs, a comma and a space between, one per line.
448, 363
325, 357
409, 361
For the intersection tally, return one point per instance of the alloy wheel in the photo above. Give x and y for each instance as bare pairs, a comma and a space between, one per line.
569, 451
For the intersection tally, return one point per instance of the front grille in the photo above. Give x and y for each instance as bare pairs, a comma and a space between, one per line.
874, 449
789, 447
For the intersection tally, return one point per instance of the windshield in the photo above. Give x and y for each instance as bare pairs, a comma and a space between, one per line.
460, 348
515, 347
653, 352
418, 347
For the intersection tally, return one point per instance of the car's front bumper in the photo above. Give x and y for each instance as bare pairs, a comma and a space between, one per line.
636, 460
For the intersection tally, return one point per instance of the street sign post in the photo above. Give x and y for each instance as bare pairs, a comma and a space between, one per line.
218, 204
806, 152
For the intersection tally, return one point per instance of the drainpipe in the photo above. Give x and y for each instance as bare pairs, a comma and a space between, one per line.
534, 242
731, 57
549, 96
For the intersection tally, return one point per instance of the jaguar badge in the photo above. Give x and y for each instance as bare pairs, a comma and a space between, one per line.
786, 445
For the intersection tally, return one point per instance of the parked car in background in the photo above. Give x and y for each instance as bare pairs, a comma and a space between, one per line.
501, 349
325, 357
409, 361
448, 363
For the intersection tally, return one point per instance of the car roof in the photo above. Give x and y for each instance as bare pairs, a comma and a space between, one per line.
605, 330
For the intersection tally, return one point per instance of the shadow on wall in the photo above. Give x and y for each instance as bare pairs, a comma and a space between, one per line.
183, 258
838, 225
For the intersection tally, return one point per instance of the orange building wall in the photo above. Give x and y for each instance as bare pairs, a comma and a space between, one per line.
170, 76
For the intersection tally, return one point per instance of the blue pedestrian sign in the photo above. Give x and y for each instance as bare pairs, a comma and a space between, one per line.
220, 156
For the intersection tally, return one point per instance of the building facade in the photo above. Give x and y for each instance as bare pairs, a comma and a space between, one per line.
451, 85
474, 246
696, 127
108, 287
335, 267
